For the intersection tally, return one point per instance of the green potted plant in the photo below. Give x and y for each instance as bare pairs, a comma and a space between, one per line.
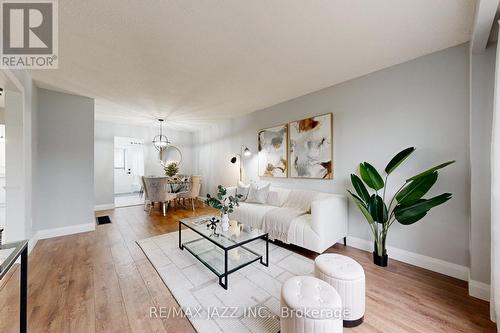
224, 203
407, 206
171, 169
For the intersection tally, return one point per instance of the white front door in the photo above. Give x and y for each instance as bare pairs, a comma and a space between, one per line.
129, 165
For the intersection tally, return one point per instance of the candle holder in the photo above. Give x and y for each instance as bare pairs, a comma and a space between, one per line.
212, 225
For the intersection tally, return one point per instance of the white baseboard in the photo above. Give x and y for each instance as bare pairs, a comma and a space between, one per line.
56, 232
104, 207
32, 243
479, 290
432, 264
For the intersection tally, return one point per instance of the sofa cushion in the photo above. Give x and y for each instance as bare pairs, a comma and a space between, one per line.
250, 213
277, 196
258, 194
300, 199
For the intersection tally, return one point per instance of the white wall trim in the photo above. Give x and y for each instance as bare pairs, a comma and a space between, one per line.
49, 233
32, 243
56, 232
104, 207
479, 290
432, 264
9, 77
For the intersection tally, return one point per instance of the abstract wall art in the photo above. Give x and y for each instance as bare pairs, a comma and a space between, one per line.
273, 146
311, 147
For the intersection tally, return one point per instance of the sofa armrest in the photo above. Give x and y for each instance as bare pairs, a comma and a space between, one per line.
329, 217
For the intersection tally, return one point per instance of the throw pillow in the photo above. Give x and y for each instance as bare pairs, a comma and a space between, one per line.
242, 189
258, 194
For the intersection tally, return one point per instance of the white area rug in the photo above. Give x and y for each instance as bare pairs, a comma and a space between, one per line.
4, 254
252, 301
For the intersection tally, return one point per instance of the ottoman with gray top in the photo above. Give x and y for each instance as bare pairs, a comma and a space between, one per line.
347, 277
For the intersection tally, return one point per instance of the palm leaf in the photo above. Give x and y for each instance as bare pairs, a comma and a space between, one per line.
416, 189
412, 219
377, 209
371, 176
431, 170
360, 188
398, 159
410, 211
361, 207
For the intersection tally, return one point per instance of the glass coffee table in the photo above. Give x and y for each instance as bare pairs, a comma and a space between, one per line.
223, 253
9, 253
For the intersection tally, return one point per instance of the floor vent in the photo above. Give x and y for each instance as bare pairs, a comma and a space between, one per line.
103, 220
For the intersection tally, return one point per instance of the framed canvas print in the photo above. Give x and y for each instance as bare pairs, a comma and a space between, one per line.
311, 147
273, 147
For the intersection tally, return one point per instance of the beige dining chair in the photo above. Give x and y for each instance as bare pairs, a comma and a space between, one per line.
193, 193
156, 190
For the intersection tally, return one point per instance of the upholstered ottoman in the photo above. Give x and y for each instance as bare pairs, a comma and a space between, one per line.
310, 305
348, 278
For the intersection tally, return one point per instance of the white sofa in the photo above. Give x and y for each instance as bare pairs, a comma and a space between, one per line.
323, 226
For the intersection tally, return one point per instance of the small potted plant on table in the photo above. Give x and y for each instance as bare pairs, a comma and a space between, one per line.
171, 169
224, 203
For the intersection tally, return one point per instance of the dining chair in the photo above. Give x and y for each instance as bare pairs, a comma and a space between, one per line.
144, 194
193, 193
156, 190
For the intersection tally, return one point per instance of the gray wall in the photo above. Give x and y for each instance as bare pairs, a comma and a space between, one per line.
104, 154
421, 103
482, 83
64, 186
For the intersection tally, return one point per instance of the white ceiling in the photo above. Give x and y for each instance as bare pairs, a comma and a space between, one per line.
193, 61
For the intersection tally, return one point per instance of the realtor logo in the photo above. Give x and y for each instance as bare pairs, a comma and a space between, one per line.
29, 34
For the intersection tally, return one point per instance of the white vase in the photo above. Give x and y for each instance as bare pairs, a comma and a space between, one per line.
224, 222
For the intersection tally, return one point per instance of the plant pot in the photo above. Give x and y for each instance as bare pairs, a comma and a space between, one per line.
224, 222
380, 260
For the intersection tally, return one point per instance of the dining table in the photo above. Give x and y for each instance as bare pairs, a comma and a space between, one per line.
178, 185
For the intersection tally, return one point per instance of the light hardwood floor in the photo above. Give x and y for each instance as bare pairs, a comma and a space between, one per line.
102, 282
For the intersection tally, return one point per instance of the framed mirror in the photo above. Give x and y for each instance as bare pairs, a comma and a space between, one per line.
169, 155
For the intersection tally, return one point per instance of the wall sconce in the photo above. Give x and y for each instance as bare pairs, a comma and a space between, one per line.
244, 151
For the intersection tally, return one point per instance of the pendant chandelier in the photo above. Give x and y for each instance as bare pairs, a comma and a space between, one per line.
160, 141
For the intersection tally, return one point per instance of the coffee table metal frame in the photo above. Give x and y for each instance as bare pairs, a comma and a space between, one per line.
225, 249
